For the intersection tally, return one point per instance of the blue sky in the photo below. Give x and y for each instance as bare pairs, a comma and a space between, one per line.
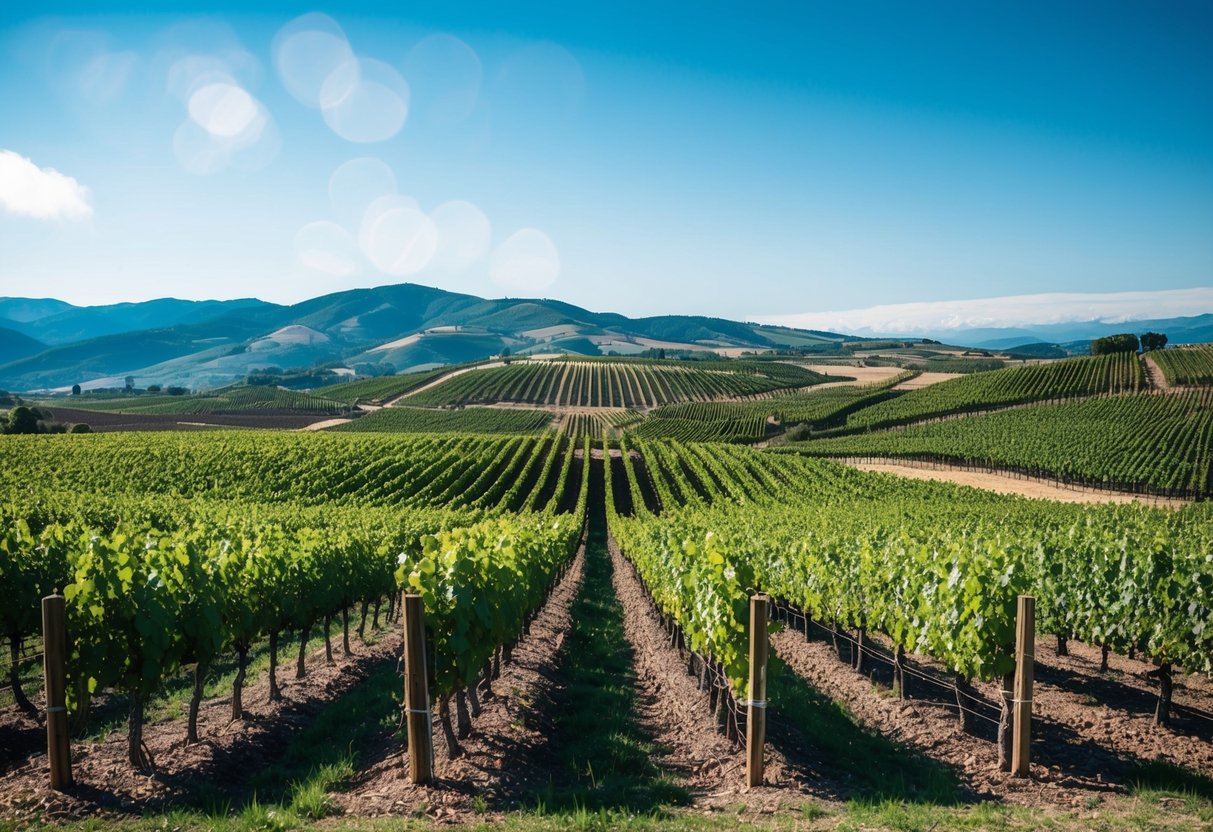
742, 160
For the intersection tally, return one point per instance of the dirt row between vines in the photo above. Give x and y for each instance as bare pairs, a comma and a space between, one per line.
106, 784
1008, 484
1090, 730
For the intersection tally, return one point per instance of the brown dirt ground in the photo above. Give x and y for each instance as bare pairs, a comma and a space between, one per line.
1089, 729
1008, 484
107, 785
926, 380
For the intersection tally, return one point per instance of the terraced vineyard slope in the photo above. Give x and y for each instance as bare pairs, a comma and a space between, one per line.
614, 384
1071, 378
1162, 444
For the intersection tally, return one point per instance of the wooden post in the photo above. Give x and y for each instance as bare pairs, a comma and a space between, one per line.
416, 693
756, 708
1025, 654
54, 656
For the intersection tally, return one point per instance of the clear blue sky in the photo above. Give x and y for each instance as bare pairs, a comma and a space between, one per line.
735, 159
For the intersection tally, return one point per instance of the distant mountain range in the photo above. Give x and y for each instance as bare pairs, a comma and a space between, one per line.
49, 344
1197, 329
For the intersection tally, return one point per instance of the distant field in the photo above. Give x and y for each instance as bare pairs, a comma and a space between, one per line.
468, 420
615, 384
379, 390
1186, 365
1120, 373
225, 401
1159, 443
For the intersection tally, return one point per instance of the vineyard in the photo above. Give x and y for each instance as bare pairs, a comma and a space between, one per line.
1186, 365
466, 420
445, 470
190, 561
1071, 378
933, 568
382, 389
613, 384
1158, 444
240, 399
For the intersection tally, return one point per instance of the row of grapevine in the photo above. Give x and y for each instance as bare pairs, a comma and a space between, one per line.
157, 582
1160, 444
693, 428
591, 383
244, 399
304, 468
1070, 378
935, 567
1185, 365
463, 420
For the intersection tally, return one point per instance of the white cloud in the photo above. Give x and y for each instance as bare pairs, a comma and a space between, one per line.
42, 193
1011, 311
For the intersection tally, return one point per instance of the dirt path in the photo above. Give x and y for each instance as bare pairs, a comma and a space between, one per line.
327, 423
106, 785
671, 705
1082, 750
1155, 379
926, 380
1008, 483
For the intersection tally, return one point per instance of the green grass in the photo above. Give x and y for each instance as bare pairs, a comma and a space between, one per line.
604, 758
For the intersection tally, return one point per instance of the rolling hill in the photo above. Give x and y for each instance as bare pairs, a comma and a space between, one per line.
207, 344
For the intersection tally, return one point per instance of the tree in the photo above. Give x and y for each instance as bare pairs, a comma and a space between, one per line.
153, 388
22, 420
130, 382
80, 427
1124, 342
75, 389
1153, 341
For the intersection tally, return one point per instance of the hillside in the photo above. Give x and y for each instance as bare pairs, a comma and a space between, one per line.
387, 329
17, 344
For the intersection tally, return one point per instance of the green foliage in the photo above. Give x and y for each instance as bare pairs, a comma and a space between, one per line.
1075, 377
1153, 341
468, 420
936, 567
611, 383
1163, 444
1186, 365
1110, 344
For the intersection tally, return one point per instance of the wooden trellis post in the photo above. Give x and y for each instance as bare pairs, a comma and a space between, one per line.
418, 715
756, 708
54, 663
1025, 653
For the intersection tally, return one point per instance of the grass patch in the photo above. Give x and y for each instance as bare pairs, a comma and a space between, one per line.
604, 759
874, 768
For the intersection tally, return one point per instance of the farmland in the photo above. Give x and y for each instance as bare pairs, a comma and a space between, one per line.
586, 545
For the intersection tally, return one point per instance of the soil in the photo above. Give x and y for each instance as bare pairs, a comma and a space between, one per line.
1009, 484
1155, 378
672, 709
106, 784
1090, 730
327, 423
926, 380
